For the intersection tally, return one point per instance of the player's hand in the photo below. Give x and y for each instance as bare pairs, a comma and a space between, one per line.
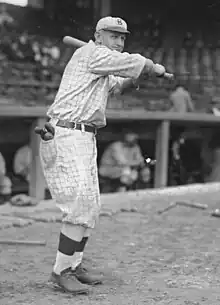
168, 76
47, 133
160, 71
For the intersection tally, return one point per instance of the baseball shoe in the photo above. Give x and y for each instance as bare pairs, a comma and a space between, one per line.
84, 276
69, 282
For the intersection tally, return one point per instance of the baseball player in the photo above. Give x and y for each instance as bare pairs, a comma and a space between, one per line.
121, 161
68, 146
5, 182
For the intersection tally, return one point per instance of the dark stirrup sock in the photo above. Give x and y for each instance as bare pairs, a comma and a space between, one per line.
66, 249
82, 244
67, 245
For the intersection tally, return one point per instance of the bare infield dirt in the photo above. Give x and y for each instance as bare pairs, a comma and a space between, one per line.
145, 258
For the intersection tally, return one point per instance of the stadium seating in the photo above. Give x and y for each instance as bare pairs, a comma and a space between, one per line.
35, 62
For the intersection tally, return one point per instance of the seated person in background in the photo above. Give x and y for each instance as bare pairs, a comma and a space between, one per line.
181, 100
144, 180
5, 182
214, 107
121, 161
22, 162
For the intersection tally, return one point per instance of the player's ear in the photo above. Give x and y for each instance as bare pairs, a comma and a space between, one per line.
97, 36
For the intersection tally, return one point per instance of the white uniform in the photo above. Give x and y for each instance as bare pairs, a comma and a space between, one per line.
118, 158
69, 160
5, 182
22, 162
181, 101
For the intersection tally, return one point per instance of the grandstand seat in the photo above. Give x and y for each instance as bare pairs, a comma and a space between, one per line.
181, 64
158, 55
169, 60
195, 62
216, 60
195, 75
206, 58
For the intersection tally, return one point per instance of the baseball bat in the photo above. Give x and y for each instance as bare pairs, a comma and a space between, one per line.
77, 43
23, 242
183, 203
193, 205
169, 207
73, 42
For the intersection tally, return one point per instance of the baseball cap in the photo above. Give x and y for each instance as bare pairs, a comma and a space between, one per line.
115, 24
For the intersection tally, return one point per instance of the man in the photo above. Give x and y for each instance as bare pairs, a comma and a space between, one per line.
6, 20
121, 161
181, 100
5, 182
68, 147
214, 107
22, 162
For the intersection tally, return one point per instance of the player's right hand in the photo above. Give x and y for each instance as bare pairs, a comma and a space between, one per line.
47, 133
159, 70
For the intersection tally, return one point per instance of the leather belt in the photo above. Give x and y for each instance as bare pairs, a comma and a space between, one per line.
77, 126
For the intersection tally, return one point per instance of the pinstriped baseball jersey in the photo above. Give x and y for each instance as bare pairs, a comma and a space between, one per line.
87, 81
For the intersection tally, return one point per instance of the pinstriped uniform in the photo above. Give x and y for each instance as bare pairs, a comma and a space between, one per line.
69, 160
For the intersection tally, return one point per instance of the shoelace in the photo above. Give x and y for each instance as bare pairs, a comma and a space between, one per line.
68, 273
80, 268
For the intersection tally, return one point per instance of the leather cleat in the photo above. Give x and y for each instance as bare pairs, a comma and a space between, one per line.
68, 282
84, 276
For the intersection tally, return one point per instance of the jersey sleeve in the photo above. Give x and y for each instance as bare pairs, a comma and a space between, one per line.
104, 61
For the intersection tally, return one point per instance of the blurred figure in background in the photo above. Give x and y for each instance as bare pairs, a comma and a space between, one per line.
25, 47
5, 182
121, 162
6, 20
181, 100
145, 177
50, 55
22, 162
214, 107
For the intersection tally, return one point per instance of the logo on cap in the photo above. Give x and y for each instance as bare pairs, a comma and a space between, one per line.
119, 22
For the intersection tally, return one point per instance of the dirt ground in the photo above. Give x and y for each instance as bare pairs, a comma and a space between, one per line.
145, 258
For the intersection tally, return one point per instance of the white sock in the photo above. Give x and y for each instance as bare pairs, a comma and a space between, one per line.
76, 259
62, 262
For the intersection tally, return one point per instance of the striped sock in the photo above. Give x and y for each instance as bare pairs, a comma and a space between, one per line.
67, 248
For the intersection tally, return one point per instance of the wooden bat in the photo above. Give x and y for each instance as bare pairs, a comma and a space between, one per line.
183, 203
196, 205
23, 242
77, 43
73, 42
170, 206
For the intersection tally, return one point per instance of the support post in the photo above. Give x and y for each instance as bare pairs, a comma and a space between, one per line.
162, 151
37, 183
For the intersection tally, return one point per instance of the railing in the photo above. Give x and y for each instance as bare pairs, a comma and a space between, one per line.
161, 121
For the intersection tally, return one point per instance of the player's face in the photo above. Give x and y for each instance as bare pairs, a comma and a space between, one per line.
130, 139
113, 40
